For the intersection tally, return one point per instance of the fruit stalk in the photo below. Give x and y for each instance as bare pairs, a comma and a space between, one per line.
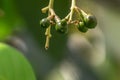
47, 33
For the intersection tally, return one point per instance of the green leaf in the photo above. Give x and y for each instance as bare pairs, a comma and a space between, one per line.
5, 30
13, 65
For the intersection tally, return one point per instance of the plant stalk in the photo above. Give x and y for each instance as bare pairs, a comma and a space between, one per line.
51, 2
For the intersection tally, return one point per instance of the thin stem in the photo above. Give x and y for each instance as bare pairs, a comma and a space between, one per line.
52, 12
44, 10
73, 5
48, 36
51, 2
71, 13
67, 17
47, 33
81, 13
50, 6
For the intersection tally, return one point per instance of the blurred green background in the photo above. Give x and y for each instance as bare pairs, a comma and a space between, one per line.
94, 55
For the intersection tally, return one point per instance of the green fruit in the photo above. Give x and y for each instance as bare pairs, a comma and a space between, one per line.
90, 21
61, 26
45, 23
13, 65
81, 27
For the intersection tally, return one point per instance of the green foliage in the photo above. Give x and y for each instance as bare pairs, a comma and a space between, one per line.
5, 29
10, 20
13, 65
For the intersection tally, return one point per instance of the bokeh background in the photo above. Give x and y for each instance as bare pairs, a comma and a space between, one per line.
94, 55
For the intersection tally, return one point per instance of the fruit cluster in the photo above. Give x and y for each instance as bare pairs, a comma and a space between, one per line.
61, 26
83, 23
88, 21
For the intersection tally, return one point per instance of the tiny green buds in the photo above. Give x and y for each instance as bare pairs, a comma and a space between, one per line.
61, 26
90, 21
45, 23
81, 27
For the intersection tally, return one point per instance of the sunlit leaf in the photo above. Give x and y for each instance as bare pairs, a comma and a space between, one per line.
13, 65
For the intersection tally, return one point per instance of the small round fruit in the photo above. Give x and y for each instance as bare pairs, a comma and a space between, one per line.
45, 23
81, 27
61, 26
90, 21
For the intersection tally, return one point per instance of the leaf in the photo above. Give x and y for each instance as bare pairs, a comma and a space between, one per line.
5, 30
13, 65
